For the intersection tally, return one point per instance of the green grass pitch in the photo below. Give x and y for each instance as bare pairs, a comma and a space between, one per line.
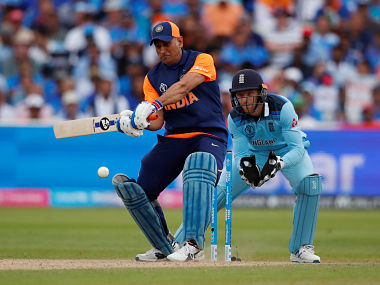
348, 242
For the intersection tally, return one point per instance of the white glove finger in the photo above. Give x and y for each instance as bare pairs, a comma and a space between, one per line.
126, 113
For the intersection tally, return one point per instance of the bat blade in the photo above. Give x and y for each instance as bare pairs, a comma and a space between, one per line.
89, 126
86, 126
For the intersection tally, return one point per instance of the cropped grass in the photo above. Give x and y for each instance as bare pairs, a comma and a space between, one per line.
349, 238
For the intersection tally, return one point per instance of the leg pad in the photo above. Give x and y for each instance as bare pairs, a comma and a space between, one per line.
305, 212
142, 211
199, 178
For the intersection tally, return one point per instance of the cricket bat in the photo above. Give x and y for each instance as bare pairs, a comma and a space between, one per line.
89, 126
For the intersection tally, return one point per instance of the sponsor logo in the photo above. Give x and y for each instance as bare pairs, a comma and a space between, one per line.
294, 123
104, 123
163, 87
214, 144
199, 68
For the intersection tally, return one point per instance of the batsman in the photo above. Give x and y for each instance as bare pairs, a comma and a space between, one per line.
183, 91
267, 138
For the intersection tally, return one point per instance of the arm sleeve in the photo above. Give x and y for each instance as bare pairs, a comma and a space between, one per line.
204, 64
149, 92
292, 135
240, 142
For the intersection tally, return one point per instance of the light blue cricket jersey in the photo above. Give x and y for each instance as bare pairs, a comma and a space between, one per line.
277, 129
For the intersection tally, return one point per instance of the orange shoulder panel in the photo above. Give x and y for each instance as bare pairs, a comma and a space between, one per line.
149, 92
204, 64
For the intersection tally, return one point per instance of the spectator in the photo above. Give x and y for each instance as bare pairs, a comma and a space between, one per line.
326, 96
372, 52
340, 69
358, 32
105, 101
322, 41
7, 113
34, 110
244, 48
70, 107
304, 107
293, 77
283, 39
6, 35
358, 92
265, 9
22, 42
376, 102
48, 19
86, 29
221, 18
336, 13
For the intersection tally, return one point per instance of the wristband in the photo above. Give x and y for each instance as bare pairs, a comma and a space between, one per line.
157, 105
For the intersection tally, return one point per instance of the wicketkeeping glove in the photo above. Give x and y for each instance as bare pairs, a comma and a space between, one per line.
273, 164
250, 171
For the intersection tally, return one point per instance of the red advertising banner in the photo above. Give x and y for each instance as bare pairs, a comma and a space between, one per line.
24, 197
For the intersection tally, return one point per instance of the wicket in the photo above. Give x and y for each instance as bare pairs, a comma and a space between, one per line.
214, 215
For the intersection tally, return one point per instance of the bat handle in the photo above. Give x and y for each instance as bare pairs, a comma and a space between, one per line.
153, 117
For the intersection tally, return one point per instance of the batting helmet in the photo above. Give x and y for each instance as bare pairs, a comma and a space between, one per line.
247, 79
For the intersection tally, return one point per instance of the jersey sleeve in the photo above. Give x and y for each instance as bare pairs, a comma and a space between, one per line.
149, 92
292, 135
204, 64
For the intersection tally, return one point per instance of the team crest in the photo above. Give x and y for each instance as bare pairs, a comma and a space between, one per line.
163, 87
249, 131
241, 78
159, 28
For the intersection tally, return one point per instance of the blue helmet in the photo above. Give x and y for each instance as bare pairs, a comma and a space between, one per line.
247, 79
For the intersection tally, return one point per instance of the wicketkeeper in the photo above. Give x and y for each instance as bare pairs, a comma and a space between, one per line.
267, 138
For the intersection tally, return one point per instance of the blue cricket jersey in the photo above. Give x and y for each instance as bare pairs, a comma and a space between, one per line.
276, 129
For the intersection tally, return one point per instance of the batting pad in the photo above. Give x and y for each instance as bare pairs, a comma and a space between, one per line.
305, 212
142, 211
199, 178
238, 187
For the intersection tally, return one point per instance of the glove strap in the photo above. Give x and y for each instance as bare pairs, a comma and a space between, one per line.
133, 121
157, 105
118, 126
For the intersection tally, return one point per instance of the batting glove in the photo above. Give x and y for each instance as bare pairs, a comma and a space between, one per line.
124, 124
140, 116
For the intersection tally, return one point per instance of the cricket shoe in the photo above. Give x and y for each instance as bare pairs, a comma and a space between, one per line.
189, 251
151, 255
305, 254
154, 254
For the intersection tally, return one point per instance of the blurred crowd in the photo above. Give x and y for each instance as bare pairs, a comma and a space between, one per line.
68, 59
